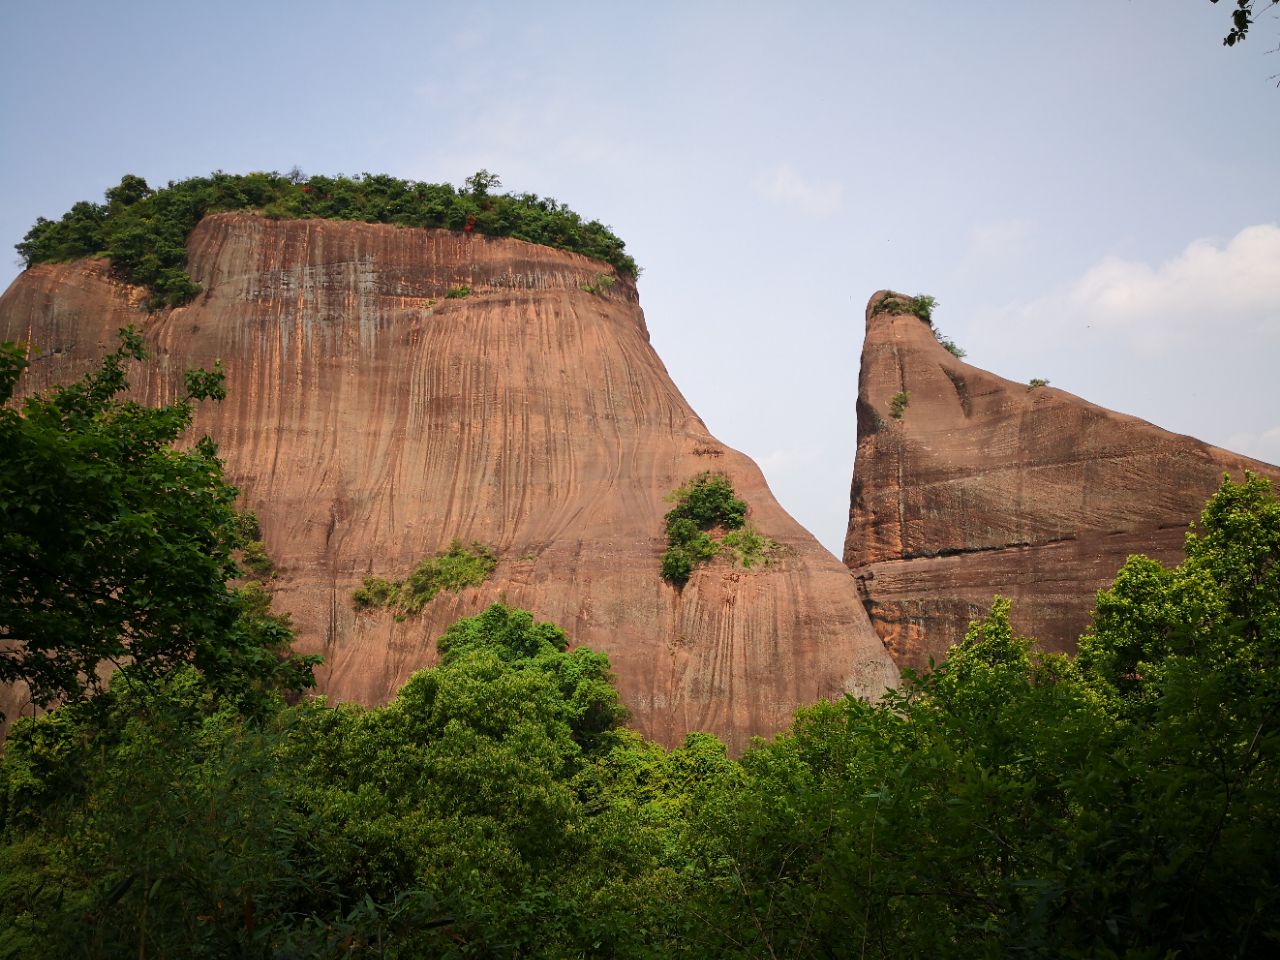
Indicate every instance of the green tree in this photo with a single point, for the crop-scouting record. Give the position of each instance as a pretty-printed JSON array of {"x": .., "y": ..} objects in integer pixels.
[
  {"x": 115, "y": 546},
  {"x": 1242, "y": 18},
  {"x": 481, "y": 182},
  {"x": 144, "y": 232}
]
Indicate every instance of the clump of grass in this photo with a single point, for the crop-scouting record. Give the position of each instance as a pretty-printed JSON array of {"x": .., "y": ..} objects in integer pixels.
[
  {"x": 1037, "y": 382},
  {"x": 457, "y": 293},
  {"x": 749, "y": 547},
  {"x": 454, "y": 569},
  {"x": 705, "y": 502},
  {"x": 898, "y": 403},
  {"x": 599, "y": 286}
]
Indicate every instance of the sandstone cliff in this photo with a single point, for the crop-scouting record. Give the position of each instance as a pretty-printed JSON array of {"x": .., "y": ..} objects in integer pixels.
[
  {"x": 984, "y": 486},
  {"x": 371, "y": 420}
]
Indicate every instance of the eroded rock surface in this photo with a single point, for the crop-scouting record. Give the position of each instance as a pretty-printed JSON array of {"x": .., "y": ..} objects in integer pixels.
[
  {"x": 371, "y": 419},
  {"x": 984, "y": 486}
]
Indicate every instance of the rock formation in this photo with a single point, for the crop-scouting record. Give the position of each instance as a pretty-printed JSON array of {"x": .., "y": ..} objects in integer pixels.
[
  {"x": 984, "y": 486},
  {"x": 371, "y": 419}
]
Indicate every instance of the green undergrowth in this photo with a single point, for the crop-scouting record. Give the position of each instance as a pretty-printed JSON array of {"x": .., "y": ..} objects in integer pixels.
[
  {"x": 898, "y": 404},
  {"x": 454, "y": 569},
  {"x": 144, "y": 231},
  {"x": 704, "y": 505},
  {"x": 749, "y": 547}
]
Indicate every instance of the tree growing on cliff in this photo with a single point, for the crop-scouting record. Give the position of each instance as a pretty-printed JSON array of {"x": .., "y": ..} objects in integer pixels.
[{"x": 116, "y": 547}]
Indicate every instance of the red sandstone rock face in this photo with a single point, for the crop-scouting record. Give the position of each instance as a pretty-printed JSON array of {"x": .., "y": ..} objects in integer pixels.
[
  {"x": 370, "y": 420},
  {"x": 987, "y": 487}
]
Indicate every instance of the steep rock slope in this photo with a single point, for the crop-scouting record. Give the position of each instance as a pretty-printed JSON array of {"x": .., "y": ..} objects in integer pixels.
[
  {"x": 985, "y": 486},
  {"x": 371, "y": 419}
]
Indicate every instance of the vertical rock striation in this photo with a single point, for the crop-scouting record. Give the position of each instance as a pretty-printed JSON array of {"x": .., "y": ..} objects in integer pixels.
[
  {"x": 371, "y": 419},
  {"x": 986, "y": 487}
]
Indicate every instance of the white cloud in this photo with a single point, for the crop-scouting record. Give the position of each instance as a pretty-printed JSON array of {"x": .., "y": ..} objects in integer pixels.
[
  {"x": 1208, "y": 290},
  {"x": 785, "y": 185},
  {"x": 1189, "y": 343}
]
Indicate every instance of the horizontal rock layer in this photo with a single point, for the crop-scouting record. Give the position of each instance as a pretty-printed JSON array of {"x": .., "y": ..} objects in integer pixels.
[
  {"x": 988, "y": 487},
  {"x": 371, "y": 419}
]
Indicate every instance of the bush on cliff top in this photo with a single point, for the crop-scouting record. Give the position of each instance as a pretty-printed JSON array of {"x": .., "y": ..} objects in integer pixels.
[
  {"x": 922, "y": 305},
  {"x": 145, "y": 231}
]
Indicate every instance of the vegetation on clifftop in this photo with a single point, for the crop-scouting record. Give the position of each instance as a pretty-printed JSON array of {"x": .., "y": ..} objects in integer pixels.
[
  {"x": 922, "y": 305},
  {"x": 145, "y": 231}
]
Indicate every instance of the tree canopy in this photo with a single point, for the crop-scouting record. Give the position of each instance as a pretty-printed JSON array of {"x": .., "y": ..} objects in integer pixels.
[
  {"x": 145, "y": 231},
  {"x": 115, "y": 545},
  {"x": 1242, "y": 18},
  {"x": 1122, "y": 804}
]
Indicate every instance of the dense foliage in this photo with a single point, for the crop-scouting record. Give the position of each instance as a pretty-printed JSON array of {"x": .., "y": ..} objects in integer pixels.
[
  {"x": 145, "y": 231},
  {"x": 453, "y": 569},
  {"x": 704, "y": 503},
  {"x": 114, "y": 546},
  {"x": 1005, "y": 803}
]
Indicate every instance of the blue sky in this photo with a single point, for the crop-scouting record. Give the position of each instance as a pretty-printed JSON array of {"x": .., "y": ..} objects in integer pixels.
[{"x": 1086, "y": 187}]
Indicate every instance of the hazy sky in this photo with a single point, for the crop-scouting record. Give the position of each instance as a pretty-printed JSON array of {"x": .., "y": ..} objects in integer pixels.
[{"x": 1087, "y": 187}]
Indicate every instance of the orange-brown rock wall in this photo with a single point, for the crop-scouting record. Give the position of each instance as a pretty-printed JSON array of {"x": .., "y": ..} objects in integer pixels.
[
  {"x": 988, "y": 487},
  {"x": 371, "y": 419}
]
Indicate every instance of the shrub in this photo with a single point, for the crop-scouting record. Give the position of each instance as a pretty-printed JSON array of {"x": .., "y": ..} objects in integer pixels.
[
  {"x": 921, "y": 306},
  {"x": 453, "y": 569},
  {"x": 376, "y": 592},
  {"x": 949, "y": 345},
  {"x": 457, "y": 293},
  {"x": 708, "y": 500},
  {"x": 1037, "y": 382},
  {"x": 704, "y": 502},
  {"x": 254, "y": 558},
  {"x": 898, "y": 403},
  {"x": 247, "y": 526}
]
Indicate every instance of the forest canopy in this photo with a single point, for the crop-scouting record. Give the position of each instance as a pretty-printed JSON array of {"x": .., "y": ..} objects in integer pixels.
[
  {"x": 1006, "y": 802},
  {"x": 144, "y": 231}
]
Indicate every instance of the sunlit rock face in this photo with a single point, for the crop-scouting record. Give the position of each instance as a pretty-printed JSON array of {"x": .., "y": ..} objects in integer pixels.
[
  {"x": 371, "y": 419},
  {"x": 984, "y": 486}
]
